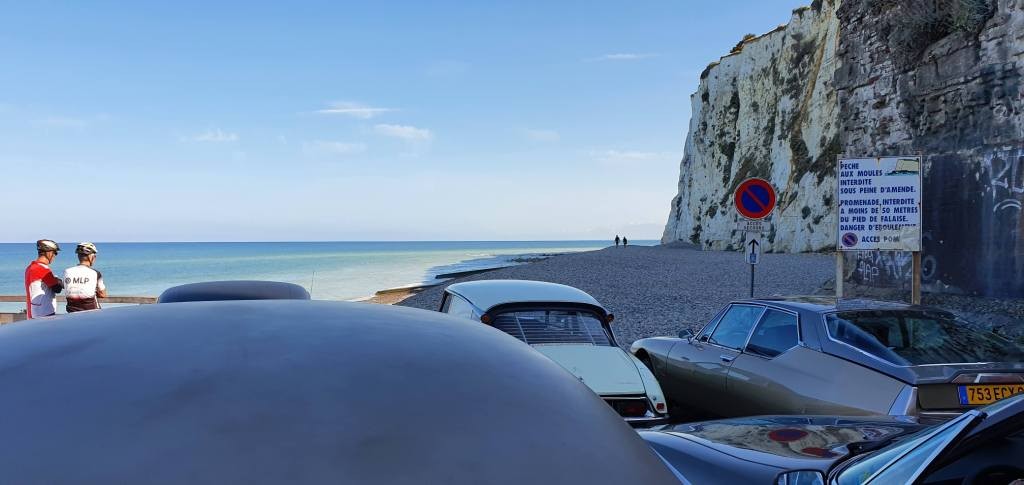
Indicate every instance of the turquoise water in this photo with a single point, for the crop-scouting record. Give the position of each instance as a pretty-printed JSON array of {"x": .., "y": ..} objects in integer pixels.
[{"x": 332, "y": 270}]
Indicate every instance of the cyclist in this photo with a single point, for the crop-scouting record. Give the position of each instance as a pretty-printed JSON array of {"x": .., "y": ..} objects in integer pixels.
[
  {"x": 84, "y": 285},
  {"x": 41, "y": 286}
]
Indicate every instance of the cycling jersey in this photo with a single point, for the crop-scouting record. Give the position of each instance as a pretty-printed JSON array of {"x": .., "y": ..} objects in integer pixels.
[
  {"x": 81, "y": 283},
  {"x": 40, "y": 290}
]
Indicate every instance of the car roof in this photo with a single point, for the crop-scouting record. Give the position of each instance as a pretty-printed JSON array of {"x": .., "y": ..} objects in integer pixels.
[
  {"x": 828, "y": 304},
  {"x": 487, "y": 294},
  {"x": 271, "y": 391},
  {"x": 233, "y": 290}
]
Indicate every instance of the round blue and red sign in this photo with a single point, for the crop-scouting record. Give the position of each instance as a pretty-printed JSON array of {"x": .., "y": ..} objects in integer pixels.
[
  {"x": 849, "y": 239},
  {"x": 755, "y": 198}
]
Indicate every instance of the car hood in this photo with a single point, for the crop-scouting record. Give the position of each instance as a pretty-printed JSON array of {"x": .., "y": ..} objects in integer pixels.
[
  {"x": 606, "y": 370},
  {"x": 791, "y": 441}
]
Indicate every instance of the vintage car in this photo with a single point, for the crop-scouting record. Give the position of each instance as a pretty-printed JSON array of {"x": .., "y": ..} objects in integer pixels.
[
  {"x": 813, "y": 356},
  {"x": 983, "y": 446},
  {"x": 571, "y": 328},
  {"x": 294, "y": 391}
]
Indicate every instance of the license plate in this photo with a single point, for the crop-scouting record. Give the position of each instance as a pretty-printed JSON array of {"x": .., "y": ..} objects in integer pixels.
[{"x": 970, "y": 395}]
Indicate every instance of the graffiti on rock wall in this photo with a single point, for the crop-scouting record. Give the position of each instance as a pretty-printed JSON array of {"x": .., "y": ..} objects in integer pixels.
[
  {"x": 885, "y": 269},
  {"x": 1003, "y": 240},
  {"x": 1006, "y": 177}
]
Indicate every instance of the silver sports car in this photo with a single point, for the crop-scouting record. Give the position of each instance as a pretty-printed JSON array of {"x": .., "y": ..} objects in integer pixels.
[{"x": 814, "y": 356}]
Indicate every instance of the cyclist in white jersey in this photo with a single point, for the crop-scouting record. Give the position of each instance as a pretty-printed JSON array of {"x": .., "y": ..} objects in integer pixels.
[{"x": 83, "y": 285}]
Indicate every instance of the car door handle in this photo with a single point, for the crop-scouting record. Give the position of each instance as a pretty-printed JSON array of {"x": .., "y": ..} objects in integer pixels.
[{"x": 727, "y": 358}]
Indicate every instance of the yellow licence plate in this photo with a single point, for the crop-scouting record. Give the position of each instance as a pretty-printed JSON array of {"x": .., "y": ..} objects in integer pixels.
[{"x": 987, "y": 393}]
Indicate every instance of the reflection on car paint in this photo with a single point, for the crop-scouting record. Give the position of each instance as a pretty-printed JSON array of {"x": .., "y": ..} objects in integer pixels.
[{"x": 818, "y": 437}]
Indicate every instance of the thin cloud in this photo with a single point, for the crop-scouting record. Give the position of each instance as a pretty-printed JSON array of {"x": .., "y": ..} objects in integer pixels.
[
  {"x": 215, "y": 136},
  {"x": 620, "y": 157},
  {"x": 69, "y": 121},
  {"x": 404, "y": 132},
  {"x": 321, "y": 147},
  {"x": 354, "y": 110},
  {"x": 624, "y": 56},
  {"x": 543, "y": 135}
]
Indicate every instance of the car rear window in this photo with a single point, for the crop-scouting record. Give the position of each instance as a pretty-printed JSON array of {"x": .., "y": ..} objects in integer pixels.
[
  {"x": 553, "y": 327},
  {"x": 920, "y": 338}
]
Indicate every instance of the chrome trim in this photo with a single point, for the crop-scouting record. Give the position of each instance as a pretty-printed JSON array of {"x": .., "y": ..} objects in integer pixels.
[
  {"x": 905, "y": 403},
  {"x": 647, "y": 420},
  {"x": 981, "y": 378}
]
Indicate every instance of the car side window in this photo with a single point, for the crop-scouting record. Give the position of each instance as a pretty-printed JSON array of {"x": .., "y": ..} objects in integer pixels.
[
  {"x": 705, "y": 332},
  {"x": 732, "y": 331},
  {"x": 776, "y": 333},
  {"x": 459, "y": 307}
]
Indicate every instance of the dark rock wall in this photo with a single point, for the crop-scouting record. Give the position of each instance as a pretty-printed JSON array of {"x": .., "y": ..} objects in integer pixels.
[{"x": 958, "y": 101}]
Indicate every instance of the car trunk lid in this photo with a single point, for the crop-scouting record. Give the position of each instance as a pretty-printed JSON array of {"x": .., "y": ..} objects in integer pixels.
[
  {"x": 606, "y": 370},
  {"x": 963, "y": 386}
]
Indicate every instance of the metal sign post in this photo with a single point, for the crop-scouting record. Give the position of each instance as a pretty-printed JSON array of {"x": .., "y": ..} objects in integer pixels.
[
  {"x": 752, "y": 249},
  {"x": 755, "y": 200}
]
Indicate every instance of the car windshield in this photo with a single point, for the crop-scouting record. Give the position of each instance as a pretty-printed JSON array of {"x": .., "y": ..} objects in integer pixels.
[
  {"x": 914, "y": 337},
  {"x": 901, "y": 461},
  {"x": 553, "y": 327}
]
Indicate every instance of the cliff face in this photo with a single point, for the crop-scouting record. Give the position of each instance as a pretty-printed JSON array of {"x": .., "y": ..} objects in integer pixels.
[
  {"x": 768, "y": 111},
  {"x": 868, "y": 78}
]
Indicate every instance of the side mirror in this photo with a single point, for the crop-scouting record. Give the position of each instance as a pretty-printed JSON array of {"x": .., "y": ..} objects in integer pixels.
[{"x": 686, "y": 334}]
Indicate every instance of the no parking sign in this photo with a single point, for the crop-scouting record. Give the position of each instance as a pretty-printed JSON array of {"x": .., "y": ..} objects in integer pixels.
[{"x": 755, "y": 198}]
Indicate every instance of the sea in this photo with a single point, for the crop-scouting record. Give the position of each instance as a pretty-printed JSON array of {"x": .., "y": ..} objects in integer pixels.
[{"x": 329, "y": 270}]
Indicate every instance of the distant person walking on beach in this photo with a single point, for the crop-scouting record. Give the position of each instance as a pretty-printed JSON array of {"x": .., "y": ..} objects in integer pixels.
[
  {"x": 41, "y": 286},
  {"x": 83, "y": 284},
  {"x": 625, "y": 242},
  {"x": 616, "y": 240}
]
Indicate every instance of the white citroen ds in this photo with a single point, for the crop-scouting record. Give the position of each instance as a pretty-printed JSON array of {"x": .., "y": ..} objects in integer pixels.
[{"x": 571, "y": 328}]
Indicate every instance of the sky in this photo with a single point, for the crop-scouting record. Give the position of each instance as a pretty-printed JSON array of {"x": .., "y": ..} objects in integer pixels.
[{"x": 385, "y": 120}]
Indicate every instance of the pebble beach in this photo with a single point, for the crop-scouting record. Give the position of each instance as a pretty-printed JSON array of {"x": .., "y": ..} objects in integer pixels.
[{"x": 660, "y": 290}]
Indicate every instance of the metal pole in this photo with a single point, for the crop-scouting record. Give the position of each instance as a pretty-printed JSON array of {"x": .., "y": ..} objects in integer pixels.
[
  {"x": 915, "y": 283},
  {"x": 751, "y": 281},
  {"x": 839, "y": 275}
]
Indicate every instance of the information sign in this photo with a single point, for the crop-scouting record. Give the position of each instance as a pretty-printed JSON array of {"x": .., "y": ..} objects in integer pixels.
[{"x": 879, "y": 204}]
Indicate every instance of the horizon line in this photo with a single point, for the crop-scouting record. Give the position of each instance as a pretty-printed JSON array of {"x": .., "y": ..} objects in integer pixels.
[{"x": 341, "y": 241}]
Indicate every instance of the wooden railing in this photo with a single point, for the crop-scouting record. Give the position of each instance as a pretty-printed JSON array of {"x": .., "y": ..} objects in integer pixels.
[{"x": 139, "y": 300}]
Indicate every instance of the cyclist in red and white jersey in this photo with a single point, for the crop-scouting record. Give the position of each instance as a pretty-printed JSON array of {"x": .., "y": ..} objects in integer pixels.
[
  {"x": 41, "y": 286},
  {"x": 83, "y": 285}
]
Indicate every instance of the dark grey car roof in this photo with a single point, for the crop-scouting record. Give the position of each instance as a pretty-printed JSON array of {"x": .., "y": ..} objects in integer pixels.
[
  {"x": 288, "y": 391},
  {"x": 827, "y": 304},
  {"x": 233, "y": 290}
]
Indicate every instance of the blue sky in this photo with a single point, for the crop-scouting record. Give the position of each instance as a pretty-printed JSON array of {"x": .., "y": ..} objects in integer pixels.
[{"x": 188, "y": 121}]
